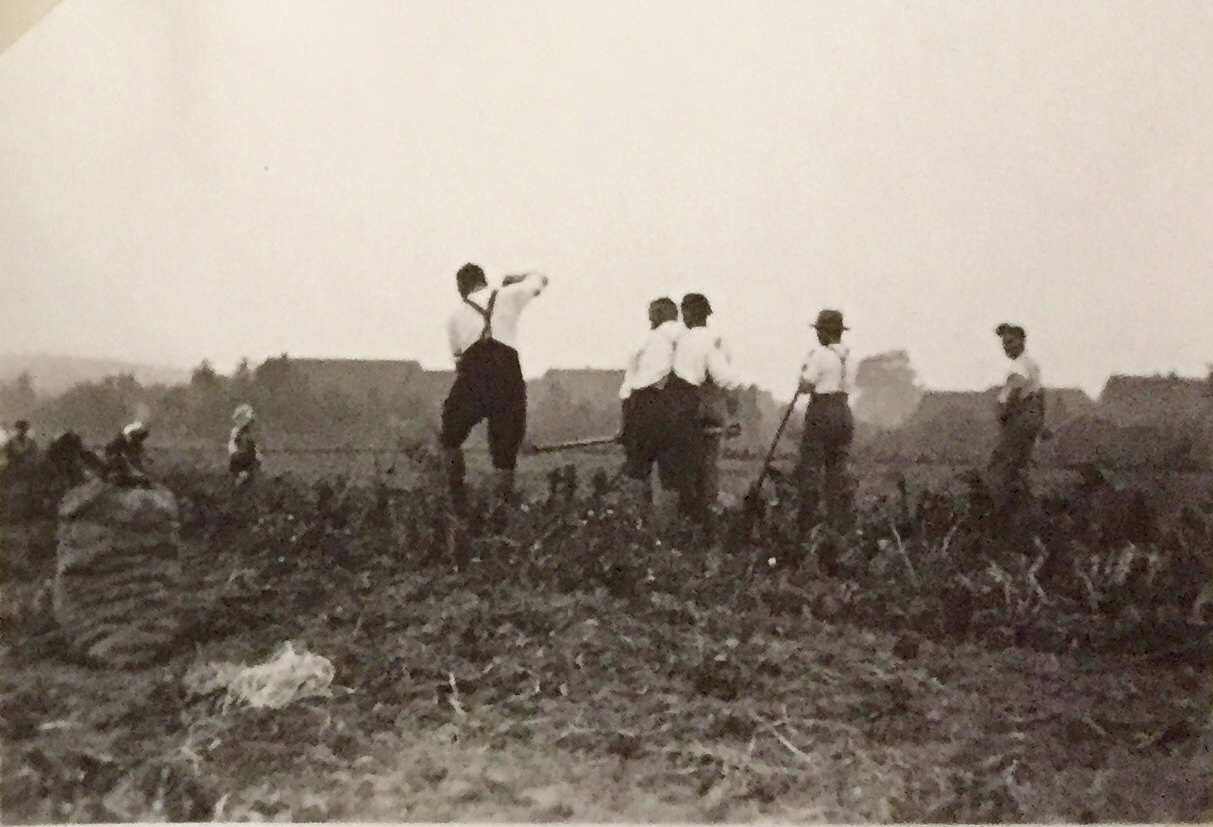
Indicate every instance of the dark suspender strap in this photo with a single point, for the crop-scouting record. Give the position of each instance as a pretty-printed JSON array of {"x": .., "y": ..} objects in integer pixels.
[
  {"x": 843, "y": 361},
  {"x": 486, "y": 313},
  {"x": 487, "y": 333}
]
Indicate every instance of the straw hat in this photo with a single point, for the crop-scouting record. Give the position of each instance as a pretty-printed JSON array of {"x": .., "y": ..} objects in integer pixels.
[{"x": 830, "y": 320}]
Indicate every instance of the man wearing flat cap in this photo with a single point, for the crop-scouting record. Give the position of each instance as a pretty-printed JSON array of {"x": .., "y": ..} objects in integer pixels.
[
  {"x": 1021, "y": 414},
  {"x": 828, "y": 428}
]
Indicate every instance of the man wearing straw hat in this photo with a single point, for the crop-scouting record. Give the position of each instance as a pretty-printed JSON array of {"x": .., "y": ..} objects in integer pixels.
[
  {"x": 242, "y": 460},
  {"x": 828, "y": 427}
]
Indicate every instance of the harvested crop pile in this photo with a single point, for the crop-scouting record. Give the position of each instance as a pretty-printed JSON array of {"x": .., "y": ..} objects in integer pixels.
[
  {"x": 584, "y": 670},
  {"x": 116, "y": 572}
]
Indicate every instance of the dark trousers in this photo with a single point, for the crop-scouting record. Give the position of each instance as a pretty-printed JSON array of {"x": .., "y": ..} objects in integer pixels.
[
  {"x": 694, "y": 452},
  {"x": 488, "y": 384},
  {"x": 1011, "y": 459},
  {"x": 822, "y": 472},
  {"x": 649, "y": 435}
]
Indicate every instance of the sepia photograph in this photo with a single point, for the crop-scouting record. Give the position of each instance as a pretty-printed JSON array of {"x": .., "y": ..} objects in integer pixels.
[{"x": 678, "y": 411}]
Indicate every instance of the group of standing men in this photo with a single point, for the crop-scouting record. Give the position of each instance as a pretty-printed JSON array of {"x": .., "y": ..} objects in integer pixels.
[{"x": 678, "y": 393}]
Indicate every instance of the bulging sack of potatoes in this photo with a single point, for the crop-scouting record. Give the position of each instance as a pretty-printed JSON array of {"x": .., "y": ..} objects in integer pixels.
[{"x": 117, "y": 572}]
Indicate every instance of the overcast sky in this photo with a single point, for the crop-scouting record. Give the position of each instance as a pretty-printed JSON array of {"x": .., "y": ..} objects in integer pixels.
[{"x": 186, "y": 180}]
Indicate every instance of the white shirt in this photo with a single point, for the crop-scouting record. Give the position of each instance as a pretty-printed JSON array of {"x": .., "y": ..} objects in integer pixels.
[
  {"x": 466, "y": 324},
  {"x": 700, "y": 355},
  {"x": 233, "y": 446},
  {"x": 827, "y": 368},
  {"x": 1023, "y": 373},
  {"x": 653, "y": 362}
]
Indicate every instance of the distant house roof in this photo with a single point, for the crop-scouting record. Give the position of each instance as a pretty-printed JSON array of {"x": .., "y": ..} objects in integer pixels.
[
  {"x": 433, "y": 385},
  {"x": 934, "y": 405},
  {"x": 593, "y": 385},
  {"x": 1130, "y": 399},
  {"x": 1121, "y": 387},
  {"x": 1068, "y": 401},
  {"x": 385, "y": 377}
]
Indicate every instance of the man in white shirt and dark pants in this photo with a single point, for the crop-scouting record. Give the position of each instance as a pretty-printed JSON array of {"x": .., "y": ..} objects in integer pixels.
[
  {"x": 828, "y": 428},
  {"x": 483, "y": 335},
  {"x": 1021, "y": 415},
  {"x": 700, "y": 394},
  {"x": 648, "y": 430}
]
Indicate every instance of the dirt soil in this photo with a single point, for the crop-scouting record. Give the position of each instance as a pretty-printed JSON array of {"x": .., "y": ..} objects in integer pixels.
[{"x": 503, "y": 693}]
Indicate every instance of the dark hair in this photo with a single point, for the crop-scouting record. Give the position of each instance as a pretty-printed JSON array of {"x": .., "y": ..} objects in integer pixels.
[
  {"x": 469, "y": 277},
  {"x": 696, "y": 306},
  {"x": 665, "y": 304},
  {"x": 1013, "y": 329},
  {"x": 21, "y": 425}
]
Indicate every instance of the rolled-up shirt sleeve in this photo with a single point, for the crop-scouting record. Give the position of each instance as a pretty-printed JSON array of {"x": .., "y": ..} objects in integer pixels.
[
  {"x": 520, "y": 293},
  {"x": 720, "y": 368},
  {"x": 625, "y": 389}
]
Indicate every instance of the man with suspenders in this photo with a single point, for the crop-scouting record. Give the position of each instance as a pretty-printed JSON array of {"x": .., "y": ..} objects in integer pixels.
[
  {"x": 483, "y": 335},
  {"x": 828, "y": 427}
]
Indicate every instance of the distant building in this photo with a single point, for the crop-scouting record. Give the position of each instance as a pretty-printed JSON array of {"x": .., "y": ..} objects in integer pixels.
[
  {"x": 1137, "y": 400},
  {"x": 1066, "y": 404},
  {"x": 400, "y": 384},
  {"x": 386, "y": 379},
  {"x": 962, "y": 426},
  {"x": 568, "y": 403},
  {"x": 592, "y": 386}
]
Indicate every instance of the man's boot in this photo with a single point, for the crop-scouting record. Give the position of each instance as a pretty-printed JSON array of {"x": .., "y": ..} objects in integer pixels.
[
  {"x": 638, "y": 498},
  {"x": 808, "y": 512},
  {"x": 504, "y": 499}
]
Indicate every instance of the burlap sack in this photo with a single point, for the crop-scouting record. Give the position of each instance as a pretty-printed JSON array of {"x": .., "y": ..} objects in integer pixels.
[{"x": 117, "y": 572}]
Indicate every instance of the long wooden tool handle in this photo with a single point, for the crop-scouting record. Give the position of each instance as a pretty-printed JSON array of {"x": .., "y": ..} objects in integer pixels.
[
  {"x": 576, "y": 443},
  {"x": 766, "y": 463},
  {"x": 728, "y": 432}
]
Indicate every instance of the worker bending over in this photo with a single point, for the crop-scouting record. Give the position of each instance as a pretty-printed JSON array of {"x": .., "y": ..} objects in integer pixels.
[
  {"x": 125, "y": 463},
  {"x": 243, "y": 462}
]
